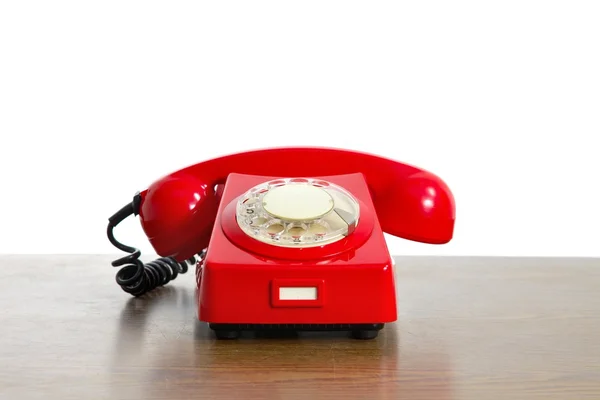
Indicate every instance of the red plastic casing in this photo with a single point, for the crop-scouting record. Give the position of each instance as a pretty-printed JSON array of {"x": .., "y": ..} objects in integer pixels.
[{"x": 240, "y": 278}]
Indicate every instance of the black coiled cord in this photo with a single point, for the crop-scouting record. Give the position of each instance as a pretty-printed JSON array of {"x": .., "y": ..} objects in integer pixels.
[{"x": 137, "y": 278}]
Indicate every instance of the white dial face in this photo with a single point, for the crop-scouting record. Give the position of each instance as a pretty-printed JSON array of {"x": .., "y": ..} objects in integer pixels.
[
  {"x": 297, "y": 202},
  {"x": 297, "y": 212}
]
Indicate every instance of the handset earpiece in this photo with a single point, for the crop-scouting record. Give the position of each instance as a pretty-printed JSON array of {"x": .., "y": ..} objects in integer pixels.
[
  {"x": 420, "y": 209},
  {"x": 177, "y": 213}
]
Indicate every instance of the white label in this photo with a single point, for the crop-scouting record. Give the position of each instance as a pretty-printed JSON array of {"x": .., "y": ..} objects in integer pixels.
[{"x": 297, "y": 293}]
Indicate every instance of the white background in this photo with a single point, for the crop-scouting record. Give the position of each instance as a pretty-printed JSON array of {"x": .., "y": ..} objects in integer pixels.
[{"x": 501, "y": 99}]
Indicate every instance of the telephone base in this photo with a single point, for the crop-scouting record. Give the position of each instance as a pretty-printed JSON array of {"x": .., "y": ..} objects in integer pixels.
[{"x": 357, "y": 331}]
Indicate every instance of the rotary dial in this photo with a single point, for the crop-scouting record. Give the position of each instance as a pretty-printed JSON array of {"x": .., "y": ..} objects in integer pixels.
[{"x": 297, "y": 212}]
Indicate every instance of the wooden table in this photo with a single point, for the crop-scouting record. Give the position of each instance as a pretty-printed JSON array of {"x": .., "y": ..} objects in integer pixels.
[{"x": 468, "y": 328}]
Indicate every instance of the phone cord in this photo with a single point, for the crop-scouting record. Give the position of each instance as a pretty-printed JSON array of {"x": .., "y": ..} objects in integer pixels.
[{"x": 135, "y": 277}]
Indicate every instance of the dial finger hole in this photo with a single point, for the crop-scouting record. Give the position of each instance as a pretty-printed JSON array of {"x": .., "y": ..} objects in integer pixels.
[
  {"x": 320, "y": 183},
  {"x": 277, "y": 183},
  {"x": 297, "y": 230},
  {"x": 275, "y": 229},
  {"x": 258, "y": 221},
  {"x": 318, "y": 229}
]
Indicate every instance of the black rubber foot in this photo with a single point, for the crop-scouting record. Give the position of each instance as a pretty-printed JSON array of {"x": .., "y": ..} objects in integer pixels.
[
  {"x": 227, "y": 335},
  {"x": 364, "y": 334}
]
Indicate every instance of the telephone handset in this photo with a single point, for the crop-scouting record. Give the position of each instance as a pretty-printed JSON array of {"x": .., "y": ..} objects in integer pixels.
[{"x": 292, "y": 203}]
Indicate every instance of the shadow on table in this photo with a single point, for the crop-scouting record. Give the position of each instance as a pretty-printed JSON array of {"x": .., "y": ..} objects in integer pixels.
[{"x": 163, "y": 351}]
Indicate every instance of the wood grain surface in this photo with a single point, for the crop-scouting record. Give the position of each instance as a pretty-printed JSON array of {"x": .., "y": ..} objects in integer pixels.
[{"x": 468, "y": 328}]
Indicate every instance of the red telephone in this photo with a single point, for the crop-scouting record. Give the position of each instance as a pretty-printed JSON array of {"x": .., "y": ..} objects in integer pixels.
[{"x": 286, "y": 237}]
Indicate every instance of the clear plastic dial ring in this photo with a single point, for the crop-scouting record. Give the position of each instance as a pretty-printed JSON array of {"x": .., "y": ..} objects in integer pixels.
[{"x": 297, "y": 212}]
